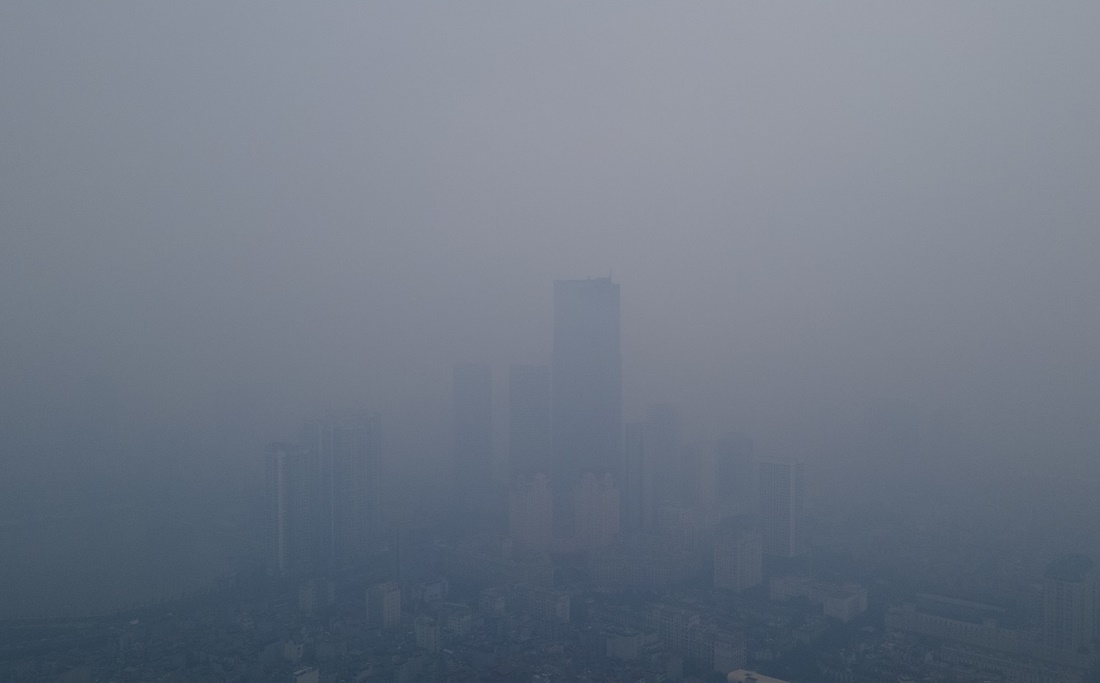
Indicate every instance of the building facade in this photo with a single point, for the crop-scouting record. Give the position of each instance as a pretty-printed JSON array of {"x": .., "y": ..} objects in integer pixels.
[
  {"x": 531, "y": 511},
  {"x": 597, "y": 511},
  {"x": 1069, "y": 603},
  {"x": 586, "y": 392},
  {"x": 738, "y": 557},
  {"x": 472, "y": 473},
  {"x": 529, "y": 419},
  {"x": 289, "y": 510},
  {"x": 781, "y": 493}
]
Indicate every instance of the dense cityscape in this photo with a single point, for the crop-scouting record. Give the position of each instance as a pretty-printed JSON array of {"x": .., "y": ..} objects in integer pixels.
[
  {"x": 617, "y": 342},
  {"x": 610, "y": 552}
]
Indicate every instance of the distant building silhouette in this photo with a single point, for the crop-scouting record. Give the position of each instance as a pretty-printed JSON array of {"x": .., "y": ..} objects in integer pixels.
[
  {"x": 426, "y": 632},
  {"x": 637, "y": 490},
  {"x": 473, "y": 441},
  {"x": 384, "y": 605},
  {"x": 701, "y": 470},
  {"x": 1069, "y": 603},
  {"x": 529, "y": 419},
  {"x": 289, "y": 511},
  {"x": 738, "y": 556},
  {"x": 735, "y": 476},
  {"x": 346, "y": 485},
  {"x": 359, "y": 451},
  {"x": 723, "y": 476},
  {"x": 586, "y": 387},
  {"x": 319, "y": 440},
  {"x": 781, "y": 493},
  {"x": 531, "y": 511},
  {"x": 415, "y": 554},
  {"x": 597, "y": 511},
  {"x": 663, "y": 453},
  {"x": 652, "y": 472}
]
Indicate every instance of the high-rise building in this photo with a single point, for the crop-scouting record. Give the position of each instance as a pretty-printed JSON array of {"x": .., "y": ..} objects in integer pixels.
[
  {"x": 426, "y": 633},
  {"x": 639, "y": 506},
  {"x": 529, "y": 419},
  {"x": 531, "y": 511},
  {"x": 597, "y": 511},
  {"x": 735, "y": 476},
  {"x": 384, "y": 605},
  {"x": 781, "y": 508},
  {"x": 701, "y": 460},
  {"x": 346, "y": 483},
  {"x": 318, "y": 439},
  {"x": 586, "y": 397},
  {"x": 415, "y": 554},
  {"x": 359, "y": 456},
  {"x": 738, "y": 556},
  {"x": 289, "y": 519},
  {"x": 473, "y": 420},
  {"x": 473, "y": 440},
  {"x": 662, "y": 446},
  {"x": 724, "y": 474},
  {"x": 679, "y": 527},
  {"x": 1069, "y": 603},
  {"x": 652, "y": 469}
]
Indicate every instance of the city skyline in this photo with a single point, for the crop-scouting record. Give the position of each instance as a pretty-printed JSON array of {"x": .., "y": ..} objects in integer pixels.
[{"x": 549, "y": 342}]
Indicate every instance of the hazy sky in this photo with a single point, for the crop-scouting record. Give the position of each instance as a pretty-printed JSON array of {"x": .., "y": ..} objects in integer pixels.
[{"x": 249, "y": 212}]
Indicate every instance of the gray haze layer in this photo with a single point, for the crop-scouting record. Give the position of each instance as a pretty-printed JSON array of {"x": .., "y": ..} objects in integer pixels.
[{"x": 217, "y": 220}]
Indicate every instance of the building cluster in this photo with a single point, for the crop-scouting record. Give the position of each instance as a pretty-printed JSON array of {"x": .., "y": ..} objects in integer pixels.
[
  {"x": 612, "y": 552},
  {"x": 593, "y": 506},
  {"x": 323, "y": 497},
  {"x": 1066, "y": 636},
  {"x": 645, "y": 509}
]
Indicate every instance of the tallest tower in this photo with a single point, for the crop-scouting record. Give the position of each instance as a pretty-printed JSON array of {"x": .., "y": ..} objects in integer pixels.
[{"x": 586, "y": 382}]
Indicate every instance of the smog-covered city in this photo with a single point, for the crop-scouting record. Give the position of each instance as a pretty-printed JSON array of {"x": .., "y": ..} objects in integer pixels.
[{"x": 549, "y": 342}]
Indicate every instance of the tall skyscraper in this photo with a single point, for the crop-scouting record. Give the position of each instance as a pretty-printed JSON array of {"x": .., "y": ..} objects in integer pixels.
[
  {"x": 636, "y": 491},
  {"x": 529, "y": 419},
  {"x": 1069, "y": 603},
  {"x": 473, "y": 439},
  {"x": 781, "y": 501},
  {"x": 701, "y": 460},
  {"x": 384, "y": 605},
  {"x": 345, "y": 478},
  {"x": 662, "y": 439},
  {"x": 359, "y": 485},
  {"x": 738, "y": 555},
  {"x": 735, "y": 476},
  {"x": 587, "y": 388},
  {"x": 289, "y": 511},
  {"x": 597, "y": 511},
  {"x": 652, "y": 471},
  {"x": 318, "y": 438},
  {"x": 724, "y": 477},
  {"x": 531, "y": 511}
]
